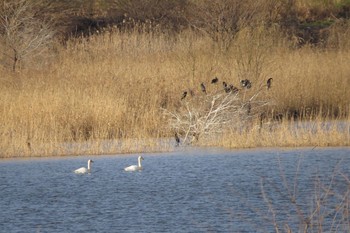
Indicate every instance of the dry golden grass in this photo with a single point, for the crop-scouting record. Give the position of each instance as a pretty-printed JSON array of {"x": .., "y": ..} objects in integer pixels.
[
  {"x": 319, "y": 132},
  {"x": 312, "y": 80},
  {"x": 112, "y": 86}
]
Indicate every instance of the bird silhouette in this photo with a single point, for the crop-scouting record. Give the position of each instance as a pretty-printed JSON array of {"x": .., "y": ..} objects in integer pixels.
[
  {"x": 249, "y": 85},
  {"x": 269, "y": 83},
  {"x": 184, "y": 95},
  {"x": 215, "y": 80},
  {"x": 177, "y": 139},
  {"x": 231, "y": 88},
  {"x": 29, "y": 145},
  {"x": 203, "y": 88},
  {"x": 249, "y": 108},
  {"x": 227, "y": 88},
  {"x": 234, "y": 89},
  {"x": 246, "y": 83}
]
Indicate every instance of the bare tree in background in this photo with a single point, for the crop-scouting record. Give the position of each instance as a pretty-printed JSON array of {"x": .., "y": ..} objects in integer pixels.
[
  {"x": 221, "y": 20},
  {"x": 166, "y": 14},
  {"x": 22, "y": 33}
]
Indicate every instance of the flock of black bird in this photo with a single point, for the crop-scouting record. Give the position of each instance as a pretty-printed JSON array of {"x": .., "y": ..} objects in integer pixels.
[{"x": 245, "y": 84}]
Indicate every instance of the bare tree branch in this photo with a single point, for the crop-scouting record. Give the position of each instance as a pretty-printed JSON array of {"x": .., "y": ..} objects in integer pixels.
[
  {"x": 22, "y": 32},
  {"x": 214, "y": 113}
]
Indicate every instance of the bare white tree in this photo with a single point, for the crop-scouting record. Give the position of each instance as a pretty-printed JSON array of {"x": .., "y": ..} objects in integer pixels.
[
  {"x": 22, "y": 33},
  {"x": 210, "y": 114}
]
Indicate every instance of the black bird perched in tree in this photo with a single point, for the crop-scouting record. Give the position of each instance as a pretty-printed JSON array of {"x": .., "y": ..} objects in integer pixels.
[
  {"x": 234, "y": 89},
  {"x": 177, "y": 139},
  {"x": 215, "y": 80},
  {"x": 269, "y": 83},
  {"x": 29, "y": 145},
  {"x": 249, "y": 108},
  {"x": 249, "y": 84},
  {"x": 203, "y": 88},
  {"x": 246, "y": 83},
  {"x": 184, "y": 95},
  {"x": 191, "y": 93},
  {"x": 227, "y": 88},
  {"x": 230, "y": 88}
]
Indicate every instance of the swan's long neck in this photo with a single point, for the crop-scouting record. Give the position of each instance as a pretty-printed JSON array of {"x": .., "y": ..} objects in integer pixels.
[
  {"x": 139, "y": 162},
  {"x": 89, "y": 162}
]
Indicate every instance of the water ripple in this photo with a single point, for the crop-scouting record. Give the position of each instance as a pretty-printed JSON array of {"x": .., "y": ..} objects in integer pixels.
[{"x": 185, "y": 191}]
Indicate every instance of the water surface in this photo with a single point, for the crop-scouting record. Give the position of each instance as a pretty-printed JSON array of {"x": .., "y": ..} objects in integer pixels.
[{"x": 189, "y": 190}]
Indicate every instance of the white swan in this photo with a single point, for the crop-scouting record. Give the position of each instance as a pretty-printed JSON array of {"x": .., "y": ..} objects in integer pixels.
[
  {"x": 135, "y": 167},
  {"x": 83, "y": 170}
]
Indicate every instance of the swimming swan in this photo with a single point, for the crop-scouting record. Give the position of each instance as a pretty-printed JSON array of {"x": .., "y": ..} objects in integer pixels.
[
  {"x": 83, "y": 170},
  {"x": 135, "y": 167}
]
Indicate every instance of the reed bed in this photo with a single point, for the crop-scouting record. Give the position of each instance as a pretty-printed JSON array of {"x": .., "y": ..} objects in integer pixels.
[
  {"x": 112, "y": 86},
  {"x": 306, "y": 133}
]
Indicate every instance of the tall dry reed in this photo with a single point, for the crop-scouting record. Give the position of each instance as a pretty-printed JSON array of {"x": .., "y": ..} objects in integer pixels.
[{"x": 112, "y": 85}]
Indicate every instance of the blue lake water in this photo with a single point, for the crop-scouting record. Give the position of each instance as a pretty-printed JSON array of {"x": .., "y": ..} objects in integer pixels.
[{"x": 189, "y": 190}]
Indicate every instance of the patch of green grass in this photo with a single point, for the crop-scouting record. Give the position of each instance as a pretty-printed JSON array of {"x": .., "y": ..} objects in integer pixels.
[
  {"x": 343, "y": 3},
  {"x": 319, "y": 23}
]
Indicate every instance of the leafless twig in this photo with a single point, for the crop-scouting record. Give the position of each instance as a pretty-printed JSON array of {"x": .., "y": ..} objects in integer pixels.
[{"x": 22, "y": 32}]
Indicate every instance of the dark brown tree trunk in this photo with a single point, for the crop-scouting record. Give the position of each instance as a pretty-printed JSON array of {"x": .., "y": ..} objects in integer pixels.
[{"x": 15, "y": 60}]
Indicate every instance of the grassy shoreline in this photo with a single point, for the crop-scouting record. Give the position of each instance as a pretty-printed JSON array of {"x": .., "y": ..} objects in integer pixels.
[
  {"x": 160, "y": 151},
  {"x": 277, "y": 136}
]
